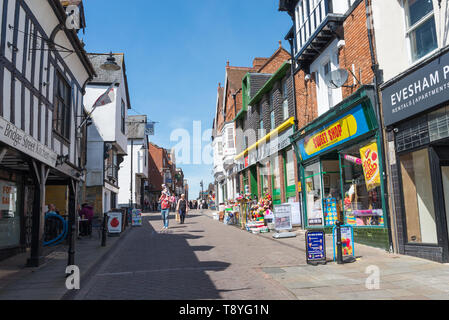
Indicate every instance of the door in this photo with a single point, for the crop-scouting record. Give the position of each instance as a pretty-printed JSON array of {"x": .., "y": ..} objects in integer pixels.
[
  {"x": 445, "y": 179},
  {"x": 253, "y": 177}
]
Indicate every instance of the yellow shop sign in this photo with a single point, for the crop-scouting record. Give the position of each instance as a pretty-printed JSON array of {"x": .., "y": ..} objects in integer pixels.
[{"x": 338, "y": 131}]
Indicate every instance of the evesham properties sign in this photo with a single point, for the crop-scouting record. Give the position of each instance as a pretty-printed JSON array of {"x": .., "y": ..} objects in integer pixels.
[{"x": 422, "y": 89}]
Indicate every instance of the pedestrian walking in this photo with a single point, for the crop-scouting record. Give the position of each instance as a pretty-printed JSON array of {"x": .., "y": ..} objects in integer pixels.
[
  {"x": 165, "y": 206},
  {"x": 182, "y": 208}
]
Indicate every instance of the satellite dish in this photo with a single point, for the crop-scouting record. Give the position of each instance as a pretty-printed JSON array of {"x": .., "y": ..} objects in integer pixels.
[{"x": 336, "y": 79}]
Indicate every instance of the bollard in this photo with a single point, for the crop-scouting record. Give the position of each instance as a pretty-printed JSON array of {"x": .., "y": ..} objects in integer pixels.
[
  {"x": 339, "y": 245},
  {"x": 104, "y": 233}
]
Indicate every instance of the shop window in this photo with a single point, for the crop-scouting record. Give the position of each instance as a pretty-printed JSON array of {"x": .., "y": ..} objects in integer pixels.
[
  {"x": 418, "y": 198},
  {"x": 361, "y": 185},
  {"x": 412, "y": 134},
  {"x": 9, "y": 216},
  {"x": 421, "y": 30},
  {"x": 290, "y": 180},
  {"x": 276, "y": 179},
  {"x": 312, "y": 175},
  {"x": 264, "y": 176}
]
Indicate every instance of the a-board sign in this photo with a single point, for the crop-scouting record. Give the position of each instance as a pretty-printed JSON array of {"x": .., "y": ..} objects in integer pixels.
[
  {"x": 347, "y": 241},
  {"x": 283, "y": 217},
  {"x": 136, "y": 217},
  {"x": 315, "y": 247},
  {"x": 115, "y": 222}
]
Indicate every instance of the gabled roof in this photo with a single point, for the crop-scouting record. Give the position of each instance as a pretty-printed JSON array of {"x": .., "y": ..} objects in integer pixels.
[
  {"x": 235, "y": 76},
  {"x": 274, "y": 55},
  {"x": 107, "y": 77}
]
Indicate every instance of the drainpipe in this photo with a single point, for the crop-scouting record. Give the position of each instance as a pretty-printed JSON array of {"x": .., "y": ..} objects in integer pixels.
[{"x": 375, "y": 68}]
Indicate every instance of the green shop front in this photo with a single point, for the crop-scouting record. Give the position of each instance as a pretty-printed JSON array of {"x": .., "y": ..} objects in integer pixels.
[{"x": 340, "y": 165}]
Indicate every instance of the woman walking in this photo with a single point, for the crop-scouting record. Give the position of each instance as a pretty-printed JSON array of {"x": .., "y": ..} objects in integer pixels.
[
  {"x": 165, "y": 206},
  {"x": 182, "y": 208}
]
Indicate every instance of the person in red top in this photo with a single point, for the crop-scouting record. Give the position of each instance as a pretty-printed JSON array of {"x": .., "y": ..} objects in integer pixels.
[{"x": 165, "y": 206}]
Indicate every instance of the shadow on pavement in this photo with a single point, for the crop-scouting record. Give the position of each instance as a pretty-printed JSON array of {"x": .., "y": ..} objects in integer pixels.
[{"x": 155, "y": 266}]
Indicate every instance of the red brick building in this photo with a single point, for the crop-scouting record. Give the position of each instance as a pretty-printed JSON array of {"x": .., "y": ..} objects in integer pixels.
[{"x": 335, "y": 92}]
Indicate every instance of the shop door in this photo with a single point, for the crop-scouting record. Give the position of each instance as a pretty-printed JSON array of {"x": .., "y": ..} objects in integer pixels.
[
  {"x": 445, "y": 178},
  {"x": 253, "y": 177},
  {"x": 276, "y": 180}
]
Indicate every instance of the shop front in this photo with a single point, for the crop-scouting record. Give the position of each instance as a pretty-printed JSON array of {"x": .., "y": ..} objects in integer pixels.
[
  {"x": 416, "y": 115},
  {"x": 340, "y": 170}
]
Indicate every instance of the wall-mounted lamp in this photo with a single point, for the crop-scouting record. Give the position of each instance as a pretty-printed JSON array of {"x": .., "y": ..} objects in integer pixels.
[{"x": 307, "y": 77}]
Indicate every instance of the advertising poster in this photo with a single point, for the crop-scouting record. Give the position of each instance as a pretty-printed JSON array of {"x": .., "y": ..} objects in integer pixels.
[
  {"x": 115, "y": 222},
  {"x": 283, "y": 217},
  {"x": 370, "y": 163},
  {"x": 136, "y": 217},
  {"x": 347, "y": 241},
  {"x": 315, "y": 247},
  {"x": 296, "y": 212}
]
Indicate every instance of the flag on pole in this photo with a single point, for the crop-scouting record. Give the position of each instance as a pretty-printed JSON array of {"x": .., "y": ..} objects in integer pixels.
[{"x": 106, "y": 97}]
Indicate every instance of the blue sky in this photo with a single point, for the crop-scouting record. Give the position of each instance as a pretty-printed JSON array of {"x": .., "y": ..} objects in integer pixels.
[{"x": 176, "y": 53}]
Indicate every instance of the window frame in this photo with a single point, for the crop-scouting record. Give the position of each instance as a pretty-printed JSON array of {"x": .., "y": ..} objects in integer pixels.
[
  {"x": 123, "y": 117},
  {"x": 62, "y": 126},
  {"x": 410, "y": 29}
]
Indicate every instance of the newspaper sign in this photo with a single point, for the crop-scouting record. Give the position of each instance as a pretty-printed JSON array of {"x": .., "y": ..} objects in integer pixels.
[
  {"x": 136, "y": 218},
  {"x": 115, "y": 222},
  {"x": 283, "y": 217}
]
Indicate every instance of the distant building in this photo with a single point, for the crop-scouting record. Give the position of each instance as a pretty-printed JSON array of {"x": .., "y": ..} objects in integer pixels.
[{"x": 133, "y": 173}]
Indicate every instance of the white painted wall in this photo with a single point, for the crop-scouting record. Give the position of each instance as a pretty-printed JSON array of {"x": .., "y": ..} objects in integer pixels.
[
  {"x": 139, "y": 167},
  {"x": 107, "y": 118},
  {"x": 329, "y": 54},
  {"x": 392, "y": 45}
]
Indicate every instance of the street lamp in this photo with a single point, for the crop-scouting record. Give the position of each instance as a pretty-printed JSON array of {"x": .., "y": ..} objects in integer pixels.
[{"x": 110, "y": 64}]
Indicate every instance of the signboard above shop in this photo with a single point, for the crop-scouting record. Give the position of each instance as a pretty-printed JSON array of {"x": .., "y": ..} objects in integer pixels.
[
  {"x": 20, "y": 140},
  {"x": 350, "y": 125},
  {"x": 420, "y": 90}
]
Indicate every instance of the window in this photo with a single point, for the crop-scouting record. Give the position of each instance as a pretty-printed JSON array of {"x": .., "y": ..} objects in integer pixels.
[
  {"x": 123, "y": 116},
  {"x": 327, "y": 68},
  {"x": 61, "y": 113},
  {"x": 9, "y": 215},
  {"x": 362, "y": 198},
  {"x": 230, "y": 132},
  {"x": 418, "y": 198},
  {"x": 285, "y": 100},
  {"x": 220, "y": 148},
  {"x": 272, "y": 120},
  {"x": 421, "y": 30}
]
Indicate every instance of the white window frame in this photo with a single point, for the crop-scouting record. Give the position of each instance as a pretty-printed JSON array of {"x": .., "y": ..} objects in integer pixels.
[{"x": 410, "y": 29}]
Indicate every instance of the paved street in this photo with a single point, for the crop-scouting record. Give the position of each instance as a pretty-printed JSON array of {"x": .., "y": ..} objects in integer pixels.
[
  {"x": 202, "y": 259},
  {"x": 205, "y": 259}
]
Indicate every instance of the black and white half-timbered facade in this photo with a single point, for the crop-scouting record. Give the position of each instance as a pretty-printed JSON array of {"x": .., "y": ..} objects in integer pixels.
[{"x": 43, "y": 73}]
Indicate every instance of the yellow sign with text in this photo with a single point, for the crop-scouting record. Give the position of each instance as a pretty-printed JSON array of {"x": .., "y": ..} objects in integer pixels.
[
  {"x": 370, "y": 163},
  {"x": 338, "y": 131}
]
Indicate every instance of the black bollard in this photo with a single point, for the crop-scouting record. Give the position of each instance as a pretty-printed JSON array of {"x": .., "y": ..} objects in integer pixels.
[
  {"x": 104, "y": 233},
  {"x": 339, "y": 244}
]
